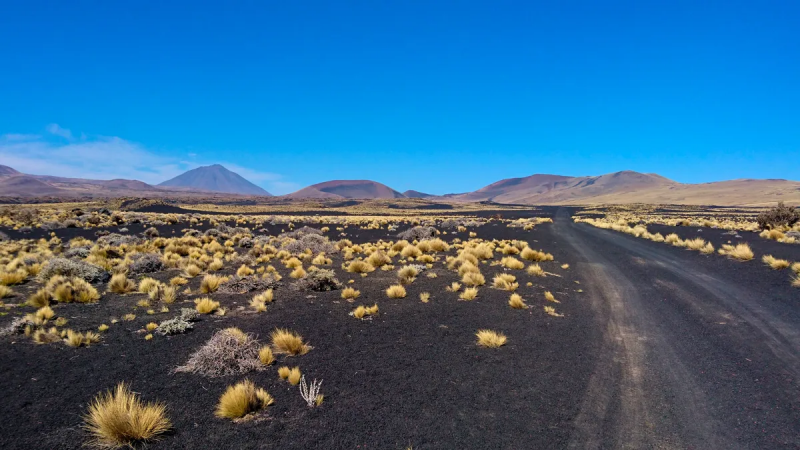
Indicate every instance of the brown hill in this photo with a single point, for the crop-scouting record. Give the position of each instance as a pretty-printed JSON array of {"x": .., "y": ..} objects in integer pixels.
[
  {"x": 7, "y": 171},
  {"x": 361, "y": 189},
  {"x": 633, "y": 187},
  {"x": 416, "y": 194}
]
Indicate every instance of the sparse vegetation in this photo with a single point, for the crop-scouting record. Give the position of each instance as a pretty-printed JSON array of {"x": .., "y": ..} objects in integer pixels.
[
  {"x": 119, "y": 418},
  {"x": 490, "y": 339}
]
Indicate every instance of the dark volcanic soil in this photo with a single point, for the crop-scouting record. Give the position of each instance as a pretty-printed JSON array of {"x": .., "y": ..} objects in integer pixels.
[
  {"x": 665, "y": 348},
  {"x": 410, "y": 376}
]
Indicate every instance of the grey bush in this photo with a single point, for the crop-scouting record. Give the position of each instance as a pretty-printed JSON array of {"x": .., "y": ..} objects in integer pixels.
[
  {"x": 73, "y": 268},
  {"x": 77, "y": 252},
  {"x": 224, "y": 354},
  {"x": 3, "y": 236},
  {"x": 319, "y": 280},
  {"x": 151, "y": 232},
  {"x": 315, "y": 242},
  {"x": 116, "y": 239},
  {"x": 243, "y": 285},
  {"x": 174, "y": 326},
  {"x": 417, "y": 233},
  {"x": 146, "y": 263}
]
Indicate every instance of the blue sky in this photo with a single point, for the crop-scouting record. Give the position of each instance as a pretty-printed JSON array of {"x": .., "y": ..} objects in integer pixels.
[{"x": 443, "y": 96}]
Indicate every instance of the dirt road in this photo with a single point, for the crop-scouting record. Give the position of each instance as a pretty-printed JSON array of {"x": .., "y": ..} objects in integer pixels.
[{"x": 694, "y": 355}]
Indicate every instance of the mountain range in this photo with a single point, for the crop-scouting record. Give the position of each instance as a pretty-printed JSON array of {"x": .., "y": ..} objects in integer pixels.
[{"x": 540, "y": 189}]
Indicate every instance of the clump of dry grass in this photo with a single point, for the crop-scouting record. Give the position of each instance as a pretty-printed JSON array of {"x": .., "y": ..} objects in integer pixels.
[
  {"x": 288, "y": 342},
  {"x": 490, "y": 339},
  {"x": 265, "y": 355},
  {"x": 359, "y": 266},
  {"x": 70, "y": 290},
  {"x": 119, "y": 418},
  {"x": 298, "y": 273},
  {"x": 192, "y": 270},
  {"x": 505, "y": 281},
  {"x": 473, "y": 279},
  {"x": 12, "y": 278},
  {"x": 552, "y": 311},
  {"x": 244, "y": 271},
  {"x": 210, "y": 283},
  {"x": 227, "y": 352},
  {"x": 407, "y": 274},
  {"x": 396, "y": 291},
  {"x": 294, "y": 376},
  {"x": 120, "y": 284},
  {"x": 5, "y": 291},
  {"x": 512, "y": 263},
  {"x": 425, "y": 297},
  {"x": 534, "y": 255},
  {"x": 242, "y": 399},
  {"x": 535, "y": 270},
  {"x": 469, "y": 294},
  {"x": 796, "y": 268},
  {"x": 516, "y": 302},
  {"x": 549, "y": 297},
  {"x": 205, "y": 305},
  {"x": 741, "y": 251},
  {"x": 774, "y": 262},
  {"x": 454, "y": 287},
  {"x": 147, "y": 284},
  {"x": 350, "y": 294}
]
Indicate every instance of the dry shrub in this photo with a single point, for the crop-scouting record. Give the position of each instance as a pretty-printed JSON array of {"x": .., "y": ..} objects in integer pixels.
[
  {"x": 774, "y": 262},
  {"x": 205, "y": 305},
  {"x": 469, "y": 294},
  {"x": 242, "y": 399},
  {"x": 288, "y": 342},
  {"x": 319, "y": 280},
  {"x": 516, "y": 302},
  {"x": 549, "y": 297},
  {"x": 407, "y": 273},
  {"x": 119, "y": 418},
  {"x": 779, "y": 217},
  {"x": 741, "y": 251},
  {"x": 473, "y": 279},
  {"x": 396, "y": 291},
  {"x": 294, "y": 376},
  {"x": 379, "y": 259},
  {"x": 228, "y": 352},
  {"x": 265, "y": 355},
  {"x": 534, "y": 255},
  {"x": 12, "y": 278},
  {"x": 5, "y": 291},
  {"x": 210, "y": 283},
  {"x": 490, "y": 339},
  {"x": 120, "y": 284},
  {"x": 350, "y": 294},
  {"x": 512, "y": 263},
  {"x": 359, "y": 266}
]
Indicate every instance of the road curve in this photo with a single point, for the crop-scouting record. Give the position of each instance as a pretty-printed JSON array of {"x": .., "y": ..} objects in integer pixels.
[{"x": 691, "y": 356}]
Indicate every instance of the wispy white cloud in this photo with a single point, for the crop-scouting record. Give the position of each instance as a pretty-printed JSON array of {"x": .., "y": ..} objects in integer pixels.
[
  {"x": 105, "y": 158},
  {"x": 56, "y": 130}
]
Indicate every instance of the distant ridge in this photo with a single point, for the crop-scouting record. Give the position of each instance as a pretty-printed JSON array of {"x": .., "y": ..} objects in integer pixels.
[
  {"x": 353, "y": 189},
  {"x": 215, "y": 178},
  {"x": 416, "y": 194}
]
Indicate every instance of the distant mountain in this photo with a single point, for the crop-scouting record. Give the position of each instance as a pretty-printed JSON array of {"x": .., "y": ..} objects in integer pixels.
[
  {"x": 631, "y": 187},
  {"x": 6, "y": 171},
  {"x": 361, "y": 189},
  {"x": 217, "y": 179},
  {"x": 17, "y": 184},
  {"x": 416, "y": 194}
]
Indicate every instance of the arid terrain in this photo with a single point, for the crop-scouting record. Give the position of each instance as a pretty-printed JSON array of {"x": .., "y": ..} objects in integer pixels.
[{"x": 609, "y": 336}]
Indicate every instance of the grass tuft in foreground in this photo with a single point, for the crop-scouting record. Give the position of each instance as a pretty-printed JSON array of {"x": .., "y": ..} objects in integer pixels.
[{"x": 118, "y": 418}]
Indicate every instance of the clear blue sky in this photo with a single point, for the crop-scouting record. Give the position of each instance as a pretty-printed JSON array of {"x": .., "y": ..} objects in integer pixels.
[{"x": 443, "y": 96}]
